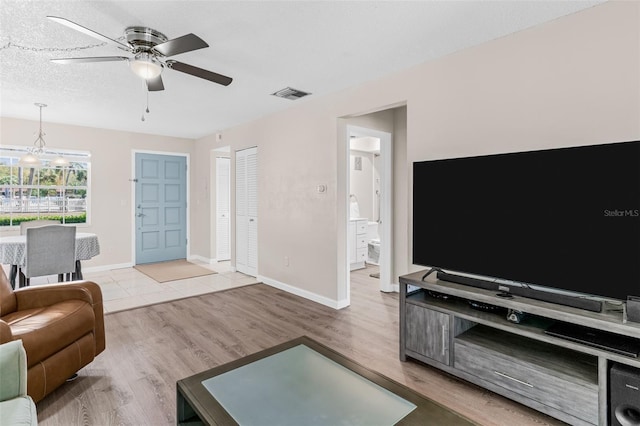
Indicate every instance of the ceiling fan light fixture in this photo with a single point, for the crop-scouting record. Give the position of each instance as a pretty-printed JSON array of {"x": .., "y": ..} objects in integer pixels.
[
  {"x": 146, "y": 66},
  {"x": 150, "y": 49}
]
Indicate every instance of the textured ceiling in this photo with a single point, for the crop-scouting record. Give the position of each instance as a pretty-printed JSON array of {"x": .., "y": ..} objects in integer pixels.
[{"x": 319, "y": 47}]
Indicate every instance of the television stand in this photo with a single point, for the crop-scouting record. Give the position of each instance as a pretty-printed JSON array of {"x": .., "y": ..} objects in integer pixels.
[{"x": 565, "y": 379}]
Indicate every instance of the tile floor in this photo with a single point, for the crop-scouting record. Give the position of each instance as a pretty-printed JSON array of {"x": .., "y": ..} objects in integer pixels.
[{"x": 127, "y": 288}]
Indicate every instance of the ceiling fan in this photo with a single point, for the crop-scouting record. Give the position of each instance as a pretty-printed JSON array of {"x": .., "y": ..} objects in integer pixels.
[{"x": 150, "y": 50}]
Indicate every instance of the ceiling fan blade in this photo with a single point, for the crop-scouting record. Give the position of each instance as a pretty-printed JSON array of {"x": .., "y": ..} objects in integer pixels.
[
  {"x": 155, "y": 84},
  {"x": 199, "y": 72},
  {"x": 183, "y": 44},
  {"x": 88, "y": 32},
  {"x": 89, "y": 59}
]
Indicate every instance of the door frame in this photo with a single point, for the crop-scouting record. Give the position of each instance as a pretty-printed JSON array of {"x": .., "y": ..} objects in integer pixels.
[
  {"x": 386, "y": 213},
  {"x": 133, "y": 197}
]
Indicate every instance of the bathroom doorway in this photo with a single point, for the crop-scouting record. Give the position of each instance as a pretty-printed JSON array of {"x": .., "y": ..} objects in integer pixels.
[{"x": 369, "y": 191}]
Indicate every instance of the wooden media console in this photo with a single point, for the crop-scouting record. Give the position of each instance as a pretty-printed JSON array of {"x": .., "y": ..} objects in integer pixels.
[{"x": 465, "y": 331}]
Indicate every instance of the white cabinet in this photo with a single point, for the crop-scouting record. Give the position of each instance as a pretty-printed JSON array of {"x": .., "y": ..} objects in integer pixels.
[{"x": 357, "y": 243}]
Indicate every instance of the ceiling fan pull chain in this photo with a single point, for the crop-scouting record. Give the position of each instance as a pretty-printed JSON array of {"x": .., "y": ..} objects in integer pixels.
[{"x": 147, "y": 92}]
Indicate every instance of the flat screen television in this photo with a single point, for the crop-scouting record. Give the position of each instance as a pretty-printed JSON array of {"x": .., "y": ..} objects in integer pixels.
[{"x": 565, "y": 219}]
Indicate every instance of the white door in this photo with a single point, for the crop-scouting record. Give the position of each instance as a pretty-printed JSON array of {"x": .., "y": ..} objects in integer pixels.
[
  {"x": 223, "y": 209},
  {"x": 247, "y": 211}
]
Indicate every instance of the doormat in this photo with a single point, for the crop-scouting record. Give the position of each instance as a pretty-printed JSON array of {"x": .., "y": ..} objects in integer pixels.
[{"x": 173, "y": 270}]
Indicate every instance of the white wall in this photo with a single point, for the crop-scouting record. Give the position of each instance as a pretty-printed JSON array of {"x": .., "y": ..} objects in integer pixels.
[
  {"x": 572, "y": 81},
  {"x": 111, "y": 190},
  {"x": 203, "y": 198}
]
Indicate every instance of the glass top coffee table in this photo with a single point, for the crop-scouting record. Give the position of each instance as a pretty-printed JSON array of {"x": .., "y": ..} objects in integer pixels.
[{"x": 302, "y": 382}]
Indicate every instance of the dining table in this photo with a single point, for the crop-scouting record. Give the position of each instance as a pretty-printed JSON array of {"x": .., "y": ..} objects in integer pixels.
[{"x": 13, "y": 251}]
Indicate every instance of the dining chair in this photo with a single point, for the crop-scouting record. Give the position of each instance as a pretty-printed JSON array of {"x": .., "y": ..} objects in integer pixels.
[
  {"x": 36, "y": 223},
  {"x": 51, "y": 250},
  {"x": 15, "y": 271}
]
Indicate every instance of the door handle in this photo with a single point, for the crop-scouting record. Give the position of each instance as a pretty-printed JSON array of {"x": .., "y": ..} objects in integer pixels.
[{"x": 140, "y": 214}]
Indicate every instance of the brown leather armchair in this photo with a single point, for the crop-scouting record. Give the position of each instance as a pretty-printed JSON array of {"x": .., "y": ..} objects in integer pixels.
[{"x": 61, "y": 327}]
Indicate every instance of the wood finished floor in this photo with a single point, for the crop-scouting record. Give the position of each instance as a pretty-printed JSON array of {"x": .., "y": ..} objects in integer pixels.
[{"x": 148, "y": 349}]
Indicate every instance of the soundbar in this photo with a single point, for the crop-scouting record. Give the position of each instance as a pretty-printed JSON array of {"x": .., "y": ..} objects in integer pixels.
[{"x": 545, "y": 296}]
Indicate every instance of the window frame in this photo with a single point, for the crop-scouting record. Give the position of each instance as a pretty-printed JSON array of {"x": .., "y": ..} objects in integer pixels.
[{"x": 9, "y": 157}]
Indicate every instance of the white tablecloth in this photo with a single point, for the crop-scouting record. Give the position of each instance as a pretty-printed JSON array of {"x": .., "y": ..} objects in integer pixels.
[{"x": 13, "y": 249}]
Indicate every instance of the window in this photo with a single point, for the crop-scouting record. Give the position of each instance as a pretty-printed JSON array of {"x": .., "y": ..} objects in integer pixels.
[{"x": 46, "y": 192}]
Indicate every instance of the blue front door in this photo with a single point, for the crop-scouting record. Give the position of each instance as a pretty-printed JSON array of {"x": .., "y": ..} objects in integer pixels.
[{"x": 161, "y": 208}]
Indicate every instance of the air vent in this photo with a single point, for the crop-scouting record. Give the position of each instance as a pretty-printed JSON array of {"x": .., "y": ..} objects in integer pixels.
[{"x": 290, "y": 93}]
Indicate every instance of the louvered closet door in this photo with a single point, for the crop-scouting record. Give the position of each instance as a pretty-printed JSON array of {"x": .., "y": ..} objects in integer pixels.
[
  {"x": 223, "y": 209},
  {"x": 247, "y": 211}
]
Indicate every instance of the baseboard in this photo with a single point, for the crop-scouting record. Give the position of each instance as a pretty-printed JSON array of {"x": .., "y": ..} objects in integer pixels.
[
  {"x": 343, "y": 303},
  {"x": 335, "y": 304},
  {"x": 202, "y": 259}
]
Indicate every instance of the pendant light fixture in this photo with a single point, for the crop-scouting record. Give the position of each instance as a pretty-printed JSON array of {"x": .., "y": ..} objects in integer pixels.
[
  {"x": 59, "y": 161},
  {"x": 33, "y": 157}
]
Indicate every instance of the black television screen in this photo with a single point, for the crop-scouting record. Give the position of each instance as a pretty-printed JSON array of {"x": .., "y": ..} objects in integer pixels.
[{"x": 566, "y": 218}]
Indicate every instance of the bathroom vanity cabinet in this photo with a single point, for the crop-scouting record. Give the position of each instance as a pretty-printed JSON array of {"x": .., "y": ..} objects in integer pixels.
[{"x": 357, "y": 243}]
